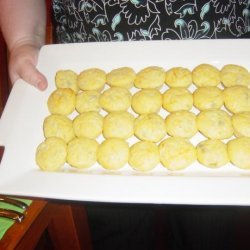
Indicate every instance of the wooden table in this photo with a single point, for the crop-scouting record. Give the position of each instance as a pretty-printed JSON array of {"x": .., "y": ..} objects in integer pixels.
[{"x": 65, "y": 223}]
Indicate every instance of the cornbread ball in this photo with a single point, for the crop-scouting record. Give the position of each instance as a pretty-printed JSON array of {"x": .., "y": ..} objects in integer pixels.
[
  {"x": 144, "y": 156},
  {"x": 87, "y": 101},
  {"x": 241, "y": 124},
  {"x": 232, "y": 75},
  {"x": 181, "y": 124},
  {"x": 150, "y": 77},
  {"x": 176, "y": 153},
  {"x": 62, "y": 101},
  {"x": 115, "y": 99},
  {"x": 150, "y": 127},
  {"x": 58, "y": 126},
  {"x": 239, "y": 152},
  {"x": 176, "y": 99},
  {"x": 147, "y": 101},
  {"x": 208, "y": 98},
  {"x": 212, "y": 153},
  {"x": 88, "y": 124},
  {"x": 91, "y": 79},
  {"x": 178, "y": 77},
  {"x": 121, "y": 77},
  {"x": 66, "y": 79},
  {"x": 119, "y": 124},
  {"x": 113, "y": 153},
  {"x": 237, "y": 99},
  {"x": 51, "y": 154},
  {"x": 205, "y": 75},
  {"x": 82, "y": 152},
  {"x": 215, "y": 124}
]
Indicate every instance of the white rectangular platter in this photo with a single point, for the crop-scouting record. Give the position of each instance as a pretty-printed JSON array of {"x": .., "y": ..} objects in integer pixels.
[{"x": 21, "y": 131}]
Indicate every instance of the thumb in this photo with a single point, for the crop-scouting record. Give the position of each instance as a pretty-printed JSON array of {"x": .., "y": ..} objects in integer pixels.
[{"x": 29, "y": 73}]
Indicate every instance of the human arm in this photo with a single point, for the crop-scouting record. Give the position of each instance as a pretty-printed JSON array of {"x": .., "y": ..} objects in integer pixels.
[{"x": 23, "y": 24}]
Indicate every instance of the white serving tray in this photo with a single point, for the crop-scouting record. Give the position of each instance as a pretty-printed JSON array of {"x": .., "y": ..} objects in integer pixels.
[{"x": 21, "y": 131}]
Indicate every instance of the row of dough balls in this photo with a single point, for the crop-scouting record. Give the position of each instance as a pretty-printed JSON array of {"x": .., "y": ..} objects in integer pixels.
[
  {"x": 213, "y": 124},
  {"x": 114, "y": 153},
  {"x": 64, "y": 101},
  {"x": 154, "y": 77}
]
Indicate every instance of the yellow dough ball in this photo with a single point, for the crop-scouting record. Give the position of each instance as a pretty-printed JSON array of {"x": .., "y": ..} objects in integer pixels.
[
  {"x": 62, "y": 101},
  {"x": 178, "y": 77},
  {"x": 58, "y": 126},
  {"x": 147, "y": 101},
  {"x": 144, "y": 156},
  {"x": 239, "y": 152},
  {"x": 241, "y": 124},
  {"x": 233, "y": 75},
  {"x": 215, "y": 124},
  {"x": 176, "y": 99},
  {"x": 176, "y": 153},
  {"x": 121, "y": 77},
  {"x": 51, "y": 154},
  {"x": 150, "y": 77},
  {"x": 91, "y": 79},
  {"x": 181, "y": 124},
  {"x": 212, "y": 153},
  {"x": 87, "y": 101},
  {"x": 66, "y": 79},
  {"x": 88, "y": 125},
  {"x": 113, "y": 153},
  {"x": 150, "y": 127},
  {"x": 118, "y": 124},
  {"x": 205, "y": 75},
  {"x": 237, "y": 99},
  {"x": 82, "y": 152},
  {"x": 115, "y": 99},
  {"x": 208, "y": 98}
]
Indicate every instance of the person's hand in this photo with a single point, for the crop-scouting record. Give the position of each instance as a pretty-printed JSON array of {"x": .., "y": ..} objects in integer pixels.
[{"x": 22, "y": 64}]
